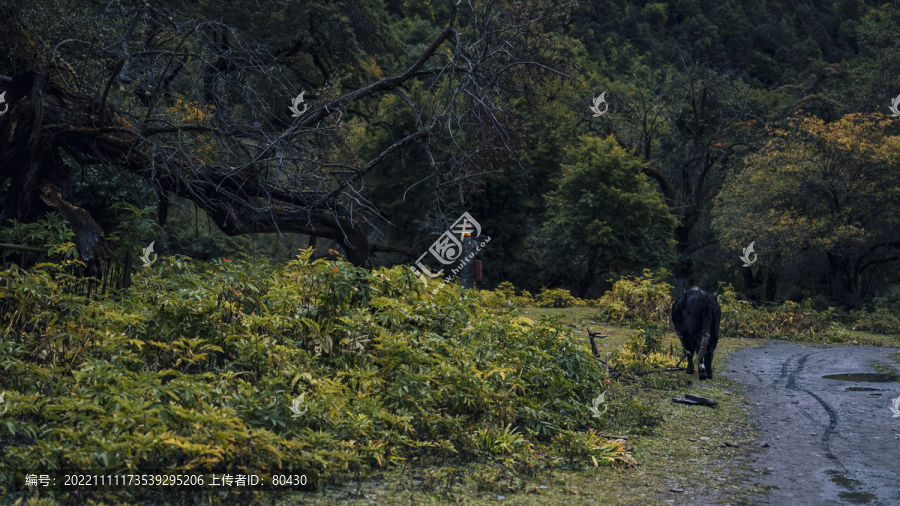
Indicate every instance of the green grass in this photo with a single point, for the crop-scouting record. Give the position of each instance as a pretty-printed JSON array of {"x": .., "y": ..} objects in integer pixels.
[
  {"x": 398, "y": 385},
  {"x": 867, "y": 338},
  {"x": 667, "y": 458}
]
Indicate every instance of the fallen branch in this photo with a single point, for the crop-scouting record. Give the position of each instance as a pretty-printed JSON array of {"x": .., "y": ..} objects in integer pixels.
[
  {"x": 702, "y": 400},
  {"x": 594, "y": 347},
  {"x": 696, "y": 400},
  {"x": 23, "y": 248}
]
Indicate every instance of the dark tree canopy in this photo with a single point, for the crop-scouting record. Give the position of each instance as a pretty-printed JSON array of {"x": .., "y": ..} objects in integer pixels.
[
  {"x": 413, "y": 112},
  {"x": 193, "y": 99}
]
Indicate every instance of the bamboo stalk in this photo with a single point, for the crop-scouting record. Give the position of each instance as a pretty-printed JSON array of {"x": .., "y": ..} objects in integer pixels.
[{"x": 22, "y": 248}]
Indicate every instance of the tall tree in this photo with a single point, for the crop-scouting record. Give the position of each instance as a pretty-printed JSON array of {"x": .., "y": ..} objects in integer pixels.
[
  {"x": 605, "y": 216},
  {"x": 688, "y": 125},
  {"x": 826, "y": 189}
]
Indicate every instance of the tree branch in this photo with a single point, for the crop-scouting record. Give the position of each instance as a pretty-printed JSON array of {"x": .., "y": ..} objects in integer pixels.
[{"x": 385, "y": 84}]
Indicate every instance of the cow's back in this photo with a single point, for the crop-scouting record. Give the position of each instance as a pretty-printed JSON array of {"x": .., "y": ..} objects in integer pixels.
[{"x": 694, "y": 313}]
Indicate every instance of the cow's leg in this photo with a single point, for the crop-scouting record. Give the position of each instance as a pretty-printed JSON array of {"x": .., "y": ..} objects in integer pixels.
[
  {"x": 690, "y": 359},
  {"x": 708, "y": 363},
  {"x": 702, "y": 358}
]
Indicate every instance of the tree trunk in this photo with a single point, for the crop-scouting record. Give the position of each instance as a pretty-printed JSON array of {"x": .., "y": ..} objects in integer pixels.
[
  {"x": 585, "y": 284},
  {"x": 771, "y": 286},
  {"x": 836, "y": 278},
  {"x": 126, "y": 276},
  {"x": 40, "y": 181},
  {"x": 853, "y": 298},
  {"x": 467, "y": 276},
  {"x": 88, "y": 235},
  {"x": 750, "y": 280},
  {"x": 683, "y": 268}
]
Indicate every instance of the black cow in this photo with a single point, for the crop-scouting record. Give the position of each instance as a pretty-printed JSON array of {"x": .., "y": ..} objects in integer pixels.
[{"x": 696, "y": 316}]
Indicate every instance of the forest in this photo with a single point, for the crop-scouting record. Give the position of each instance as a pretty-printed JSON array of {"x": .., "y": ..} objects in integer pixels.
[
  {"x": 728, "y": 123},
  {"x": 284, "y": 163}
]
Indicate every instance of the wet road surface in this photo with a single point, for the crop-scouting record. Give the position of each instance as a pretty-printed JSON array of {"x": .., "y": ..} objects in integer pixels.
[{"x": 831, "y": 442}]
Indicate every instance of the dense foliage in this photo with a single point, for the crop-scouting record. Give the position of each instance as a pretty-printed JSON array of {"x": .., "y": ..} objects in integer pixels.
[
  {"x": 819, "y": 191},
  {"x": 197, "y": 365},
  {"x": 702, "y": 96},
  {"x": 728, "y": 123},
  {"x": 644, "y": 302}
]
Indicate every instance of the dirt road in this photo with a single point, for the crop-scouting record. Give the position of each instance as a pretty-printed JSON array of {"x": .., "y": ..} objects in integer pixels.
[{"x": 831, "y": 442}]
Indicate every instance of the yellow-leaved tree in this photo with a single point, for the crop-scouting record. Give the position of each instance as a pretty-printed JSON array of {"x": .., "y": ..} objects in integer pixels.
[{"x": 817, "y": 189}]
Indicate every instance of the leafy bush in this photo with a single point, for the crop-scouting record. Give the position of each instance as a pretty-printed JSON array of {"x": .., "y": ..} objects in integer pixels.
[
  {"x": 503, "y": 440},
  {"x": 882, "y": 320},
  {"x": 557, "y": 297},
  {"x": 627, "y": 360},
  {"x": 638, "y": 298},
  {"x": 789, "y": 320},
  {"x": 52, "y": 234},
  {"x": 505, "y": 294},
  {"x": 580, "y": 446},
  {"x": 648, "y": 339},
  {"x": 197, "y": 365},
  {"x": 547, "y": 297}
]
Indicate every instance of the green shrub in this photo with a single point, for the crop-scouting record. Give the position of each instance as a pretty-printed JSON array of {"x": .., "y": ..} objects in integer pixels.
[
  {"x": 638, "y": 298},
  {"x": 882, "y": 321},
  {"x": 648, "y": 339},
  {"x": 198, "y": 363},
  {"x": 789, "y": 320},
  {"x": 52, "y": 234},
  {"x": 503, "y": 440},
  {"x": 547, "y": 297},
  {"x": 586, "y": 447},
  {"x": 505, "y": 294},
  {"x": 557, "y": 297}
]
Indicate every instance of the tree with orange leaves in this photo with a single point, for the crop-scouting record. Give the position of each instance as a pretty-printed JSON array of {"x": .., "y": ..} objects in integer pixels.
[{"x": 818, "y": 189}]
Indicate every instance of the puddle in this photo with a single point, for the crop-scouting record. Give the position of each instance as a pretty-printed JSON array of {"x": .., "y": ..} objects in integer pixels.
[
  {"x": 862, "y": 389},
  {"x": 857, "y": 497},
  {"x": 865, "y": 377},
  {"x": 852, "y": 496}
]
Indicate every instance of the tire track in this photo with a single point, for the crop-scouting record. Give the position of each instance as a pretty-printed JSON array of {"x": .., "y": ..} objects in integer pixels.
[
  {"x": 832, "y": 424},
  {"x": 792, "y": 377},
  {"x": 804, "y": 469}
]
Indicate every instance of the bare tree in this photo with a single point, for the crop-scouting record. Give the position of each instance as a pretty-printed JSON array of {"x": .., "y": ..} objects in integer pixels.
[{"x": 198, "y": 110}]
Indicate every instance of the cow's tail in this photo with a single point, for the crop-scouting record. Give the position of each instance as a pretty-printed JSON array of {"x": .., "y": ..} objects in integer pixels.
[{"x": 704, "y": 337}]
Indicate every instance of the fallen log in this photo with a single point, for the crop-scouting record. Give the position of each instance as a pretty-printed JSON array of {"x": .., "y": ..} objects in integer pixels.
[
  {"x": 696, "y": 400},
  {"x": 700, "y": 400}
]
